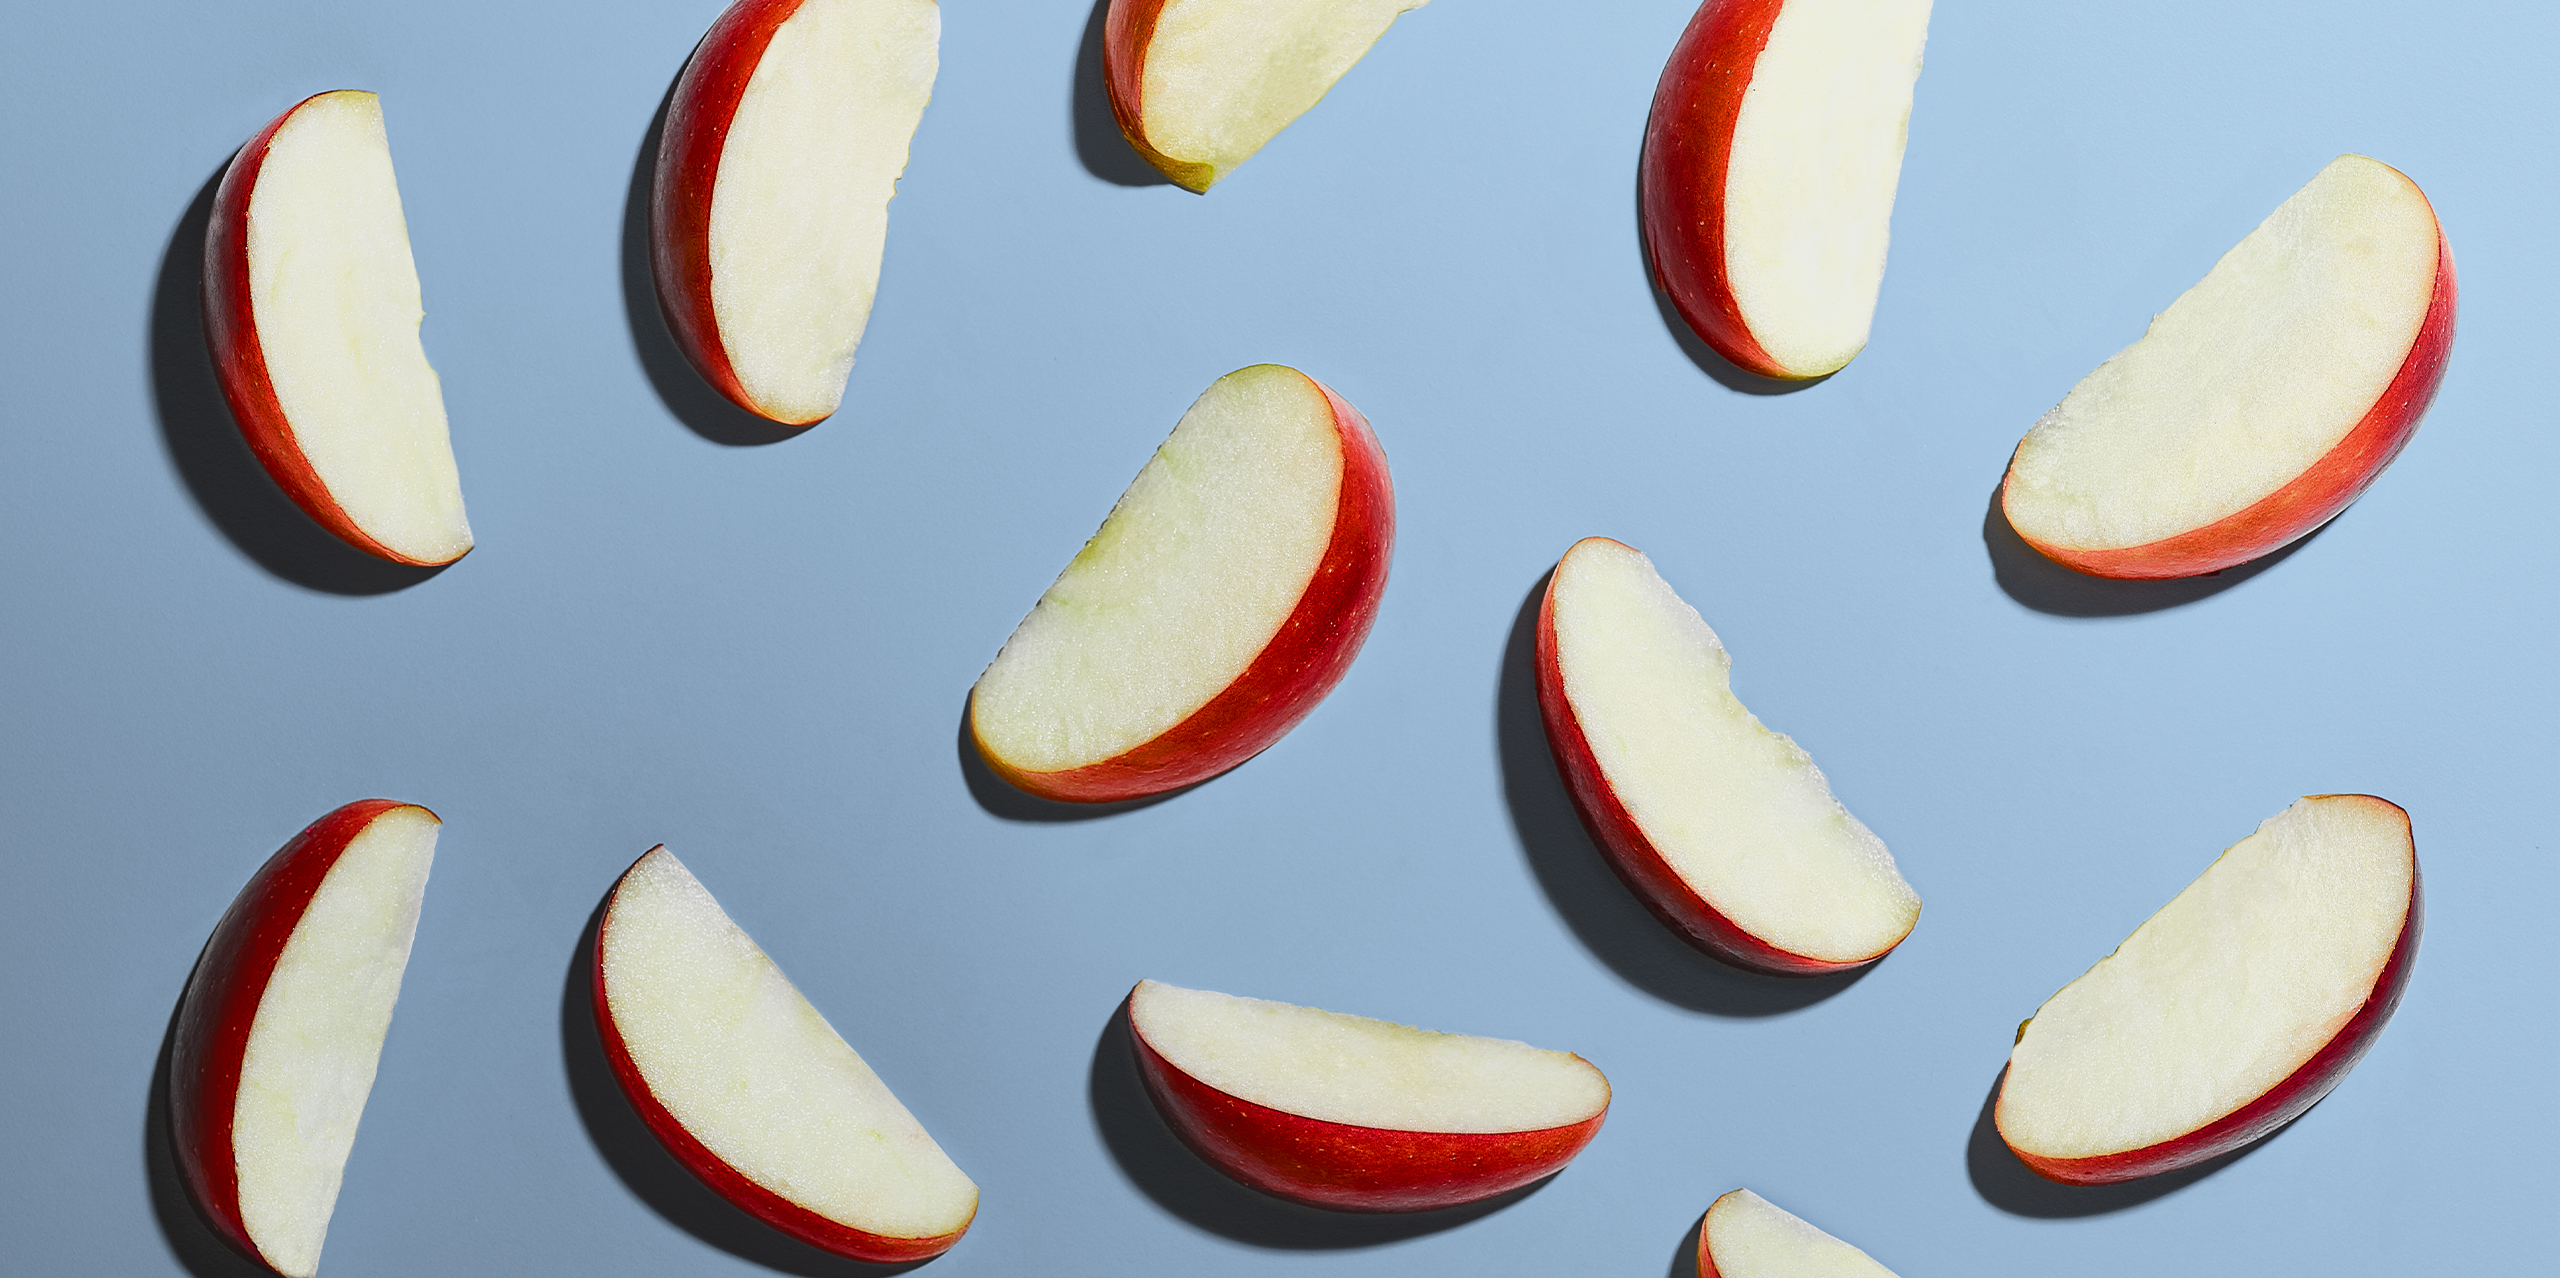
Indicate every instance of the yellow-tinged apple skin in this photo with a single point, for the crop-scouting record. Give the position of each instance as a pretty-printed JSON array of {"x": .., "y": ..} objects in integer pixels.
[
  {"x": 2309, "y": 499},
  {"x": 1128, "y": 29},
  {"x": 240, "y": 362},
  {"x": 1343, "y": 1166},
  {"x": 2273, "y": 1108},
  {"x": 1283, "y": 683}
]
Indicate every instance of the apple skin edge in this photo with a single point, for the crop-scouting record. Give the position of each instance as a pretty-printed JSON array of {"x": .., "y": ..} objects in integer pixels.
[
  {"x": 240, "y": 362},
  {"x": 221, "y": 1004},
  {"x": 1688, "y": 142},
  {"x": 1623, "y": 843},
  {"x": 2311, "y": 498},
  {"x": 1343, "y": 1166},
  {"x": 1283, "y": 683},
  {"x": 2275, "y": 1107},
  {"x": 715, "y": 1172},
  {"x": 1128, "y": 28},
  {"x": 697, "y": 128}
]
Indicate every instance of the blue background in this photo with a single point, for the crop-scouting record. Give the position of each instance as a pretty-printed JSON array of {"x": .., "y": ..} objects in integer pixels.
[{"x": 757, "y": 652}]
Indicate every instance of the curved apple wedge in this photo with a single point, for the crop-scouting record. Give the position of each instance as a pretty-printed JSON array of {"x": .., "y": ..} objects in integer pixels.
[
  {"x": 1358, "y": 1114},
  {"x": 282, "y": 1025},
  {"x": 1224, "y": 597},
  {"x": 1726, "y": 830},
  {"x": 1768, "y": 174},
  {"x": 2232, "y": 1010},
  {"x": 1198, "y": 86},
  {"x": 1747, "y": 1236},
  {"x": 311, "y": 309},
  {"x": 784, "y": 141},
  {"x": 750, "y": 1088},
  {"x": 2262, "y": 402}
]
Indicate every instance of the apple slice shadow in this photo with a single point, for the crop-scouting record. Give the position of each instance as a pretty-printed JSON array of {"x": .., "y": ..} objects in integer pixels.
[
  {"x": 2039, "y": 583},
  {"x": 1602, "y": 912},
  {"x": 647, "y": 1169},
  {"x": 1099, "y": 146},
  {"x": 691, "y": 400},
  {"x": 212, "y": 459},
  {"x": 2013, "y": 1187},
  {"x": 1179, "y": 1181},
  {"x": 1684, "y": 1258},
  {"x": 191, "y": 1239},
  {"x": 1710, "y": 361}
]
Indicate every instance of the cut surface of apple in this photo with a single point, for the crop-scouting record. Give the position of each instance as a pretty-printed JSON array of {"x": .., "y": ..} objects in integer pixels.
[
  {"x": 752, "y": 1090},
  {"x": 282, "y": 1027},
  {"x": 312, "y": 309},
  {"x": 2232, "y": 1010},
  {"x": 784, "y": 142},
  {"x": 1768, "y": 174},
  {"x": 2262, "y": 402},
  {"x": 1198, "y": 86},
  {"x": 1358, "y": 1114},
  {"x": 1224, "y": 597},
  {"x": 1747, "y": 1236},
  {"x": 1725, "y": 829}
]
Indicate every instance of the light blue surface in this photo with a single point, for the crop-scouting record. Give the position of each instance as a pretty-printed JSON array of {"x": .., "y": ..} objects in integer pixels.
[{"x": 758, "y": 654}]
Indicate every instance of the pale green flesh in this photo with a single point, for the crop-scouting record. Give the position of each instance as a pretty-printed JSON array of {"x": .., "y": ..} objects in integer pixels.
[
  {"x": 1223, "y": 77},
  {"x": 1751, "y": 1237}
]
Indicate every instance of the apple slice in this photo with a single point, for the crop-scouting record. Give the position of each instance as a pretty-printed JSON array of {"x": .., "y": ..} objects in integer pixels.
[
  {"x": 750, "y": 1088},
  {"x": 1747, "y": 1236},
  {"x": 2232, "y": 1010},
  {"x": 311, "y": 310},
  {"x": 282, "y": 1025},
  {"x": 1198, "y": 86},
  {"x": 1768, "y": 174},
  {"x": 1353, "y": 1113},
  {"x": 1224, "y": 597},
  {"x": 1725, "y": 829},
  {"x": 783, "y": 145},
  {"x": 2262, "y": 402}
]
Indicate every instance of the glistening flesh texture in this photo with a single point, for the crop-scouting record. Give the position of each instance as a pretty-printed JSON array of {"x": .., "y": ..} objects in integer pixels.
[
  {"x": 1816, "y": 156},
  {"x": 2286, "y": 349},
  {"x": 1739, "y": 813},
  {"x": 1199, "y": 565},
  {"x": 1220, "y": 78},
  {"x": 2249, "y": 995},
  {"x": 335, "y": 294},
  {"x": 729, "y": 1048},
  {"x": 1355, "y": 1070},
  {"x": 1747, "y": 1236},
  {"x": 800, "y": 208}
]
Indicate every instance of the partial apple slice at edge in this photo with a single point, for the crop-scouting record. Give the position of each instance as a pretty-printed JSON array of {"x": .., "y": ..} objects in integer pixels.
[
  {"x": 1747, "y": 1236},
  {"x": 311, "y": 310},
  {"x": 1358, "y": 1114},
  {"x": 1226, "y": 594},
  {"x": 1726, "y": 830},
  {"x": 2236, "y": 1007},
  {"x": 282, "y": 1025},
  {"x": 751, "y": 1089}
]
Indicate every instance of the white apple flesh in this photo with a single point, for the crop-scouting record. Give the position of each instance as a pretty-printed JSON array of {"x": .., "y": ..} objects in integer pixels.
[
  {"x": 752, "y": 1090},
  {"x": 1225, "y": 595},
  {"x": 1725, "y": 829},
  {"x": 1769, "y": 169},
  {"x": 1358, "y": 1114},
  {"x": 1747, "y": 1236},
  {"x": 2232, "y": 1010},
  {"x": 783, "y": 146},
  {"x": 282, "y": 1027},
  {"x": 1198, "y": 86},
  {"x": 312, "y": 311},
  {"x": 2262, "y": 402}
]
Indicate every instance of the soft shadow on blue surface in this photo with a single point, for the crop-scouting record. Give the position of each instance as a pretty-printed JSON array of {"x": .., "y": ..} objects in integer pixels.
[
  {"x": 704, "y": 411},
  {"x": 2045, "y": 586},
  {"x": 2009, "y": 1185},
  {"x": 648, "y": 1170},
  {"x": 192, "y": 1241},
  {"x": 1684, "y": 1258},
  {"x": 205, "y": 446},
  {"x": 1165, "y": 1169},
  {"x": 1604, "y": 914},
  {"x": 1104, "y": 153}
]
